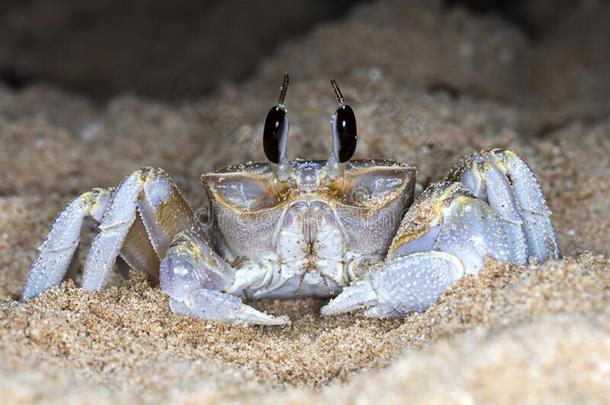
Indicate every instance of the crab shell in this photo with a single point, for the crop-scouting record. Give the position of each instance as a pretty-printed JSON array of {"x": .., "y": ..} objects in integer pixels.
[{"x": 310, "y": 223}]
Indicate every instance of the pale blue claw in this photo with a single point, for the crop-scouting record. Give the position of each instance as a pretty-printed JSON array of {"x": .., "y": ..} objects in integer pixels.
[
  {"x": 194, "y": 277},
  {"x": 490, "y": 205},
  {"x": 406, "y": 284}
]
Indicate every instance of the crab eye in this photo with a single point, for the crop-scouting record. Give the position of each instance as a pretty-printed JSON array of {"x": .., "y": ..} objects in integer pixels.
[
  {"x": 345, "y": 133},
  {"x": 343, "y": 126},
  {"x": 275, "y": 134}
]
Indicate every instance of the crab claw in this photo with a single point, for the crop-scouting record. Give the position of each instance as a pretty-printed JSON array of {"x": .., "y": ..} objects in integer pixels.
[
  {"x": 403, "y": 285},
  {"x": 490, "y": 205},
  {"x": 194, "y": 277},
  {"x": 218, "y": 306}
]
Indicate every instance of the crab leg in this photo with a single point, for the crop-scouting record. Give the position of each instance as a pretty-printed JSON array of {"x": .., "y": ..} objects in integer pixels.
[
  {"x": 163, "y": 210},
  {"x": 139, "y": 239},
  {"x": 194, "y": 277},
  {"x": 495, "y": 209},
  {"x": 57, "y": 251},
  {"x": 503, "y": 179},
  {"x": 457, "y": 232}
]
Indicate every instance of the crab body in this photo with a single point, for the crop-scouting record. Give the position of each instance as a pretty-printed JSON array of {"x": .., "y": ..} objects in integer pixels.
[
  {"x": 350, "y": 230},
  {"x": 310, "y": 234}
]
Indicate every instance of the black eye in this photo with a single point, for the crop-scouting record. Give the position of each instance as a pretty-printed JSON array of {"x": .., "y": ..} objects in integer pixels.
[
  {"x": 345, "y": 133},
  {"x": 275, "y": 134}
]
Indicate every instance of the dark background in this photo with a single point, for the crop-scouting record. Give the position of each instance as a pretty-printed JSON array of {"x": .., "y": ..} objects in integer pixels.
[{"x": 102, "y": 48}]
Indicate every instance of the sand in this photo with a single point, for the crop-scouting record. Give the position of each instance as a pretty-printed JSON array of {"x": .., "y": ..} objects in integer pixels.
[{"x": 452, "y": 83}]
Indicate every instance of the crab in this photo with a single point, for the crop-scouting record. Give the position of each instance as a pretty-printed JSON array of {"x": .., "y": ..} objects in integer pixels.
[{"x": 349, "y": 230}]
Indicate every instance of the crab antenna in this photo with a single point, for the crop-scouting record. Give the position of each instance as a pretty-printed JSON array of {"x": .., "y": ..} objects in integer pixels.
[
  {"x": 337, "y": 90},
  {"x": 284, "y": 89}
]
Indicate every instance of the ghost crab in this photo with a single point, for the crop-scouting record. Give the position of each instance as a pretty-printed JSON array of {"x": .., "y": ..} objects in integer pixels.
[{"x": 341, "y": 228}]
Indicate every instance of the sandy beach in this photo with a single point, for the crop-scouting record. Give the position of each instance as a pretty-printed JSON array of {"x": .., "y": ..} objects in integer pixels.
[{"x": 428, "y": 85}]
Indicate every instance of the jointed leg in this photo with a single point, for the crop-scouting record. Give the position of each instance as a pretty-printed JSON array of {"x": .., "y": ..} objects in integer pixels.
[
  {"x": 137, "y": 220},
  {"x": 57, "y": 251},
  {"x": 164, "y": 213},
  {"x": 489, "y": 206},
  {"x": 507, "y": 184},
  {"x": 445, "y": 234},
  {"x": 138, "y": 253}
]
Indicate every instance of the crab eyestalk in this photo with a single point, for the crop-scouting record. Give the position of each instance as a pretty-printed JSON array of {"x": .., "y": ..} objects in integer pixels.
[
  {"x": 344, "y": 135},
  {"x": 275, "y": 134}
]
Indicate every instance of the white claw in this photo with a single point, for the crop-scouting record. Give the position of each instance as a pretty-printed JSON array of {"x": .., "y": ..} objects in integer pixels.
[
  {"x": 194, "y": 276},
  {"x": 359, "y": 295},
  {"x": 217, "y": 306},
  {"x": 404, "y": 285}
]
